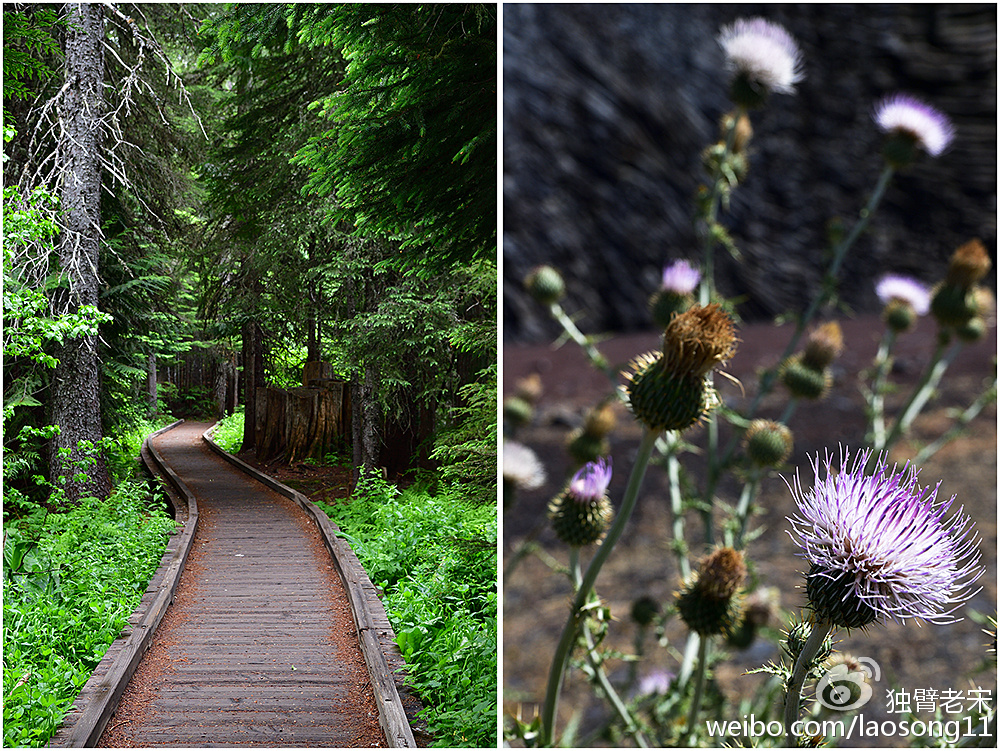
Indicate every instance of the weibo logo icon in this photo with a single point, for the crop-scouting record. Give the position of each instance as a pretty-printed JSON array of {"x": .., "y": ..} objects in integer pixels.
[{"x": 847, "y": 686}]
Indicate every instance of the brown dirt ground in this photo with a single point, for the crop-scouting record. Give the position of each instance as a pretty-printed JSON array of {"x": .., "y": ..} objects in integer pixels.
[{"x": 535, "y": 599}]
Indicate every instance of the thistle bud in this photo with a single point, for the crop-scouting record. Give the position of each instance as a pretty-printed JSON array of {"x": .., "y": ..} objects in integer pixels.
[
  {"x": 953, "y": 305},
  {"x": 545, "y": 284},
  {"x": 517, "y": 411},
  {"x": 904, "y": 299},
  {"x": 668, "y": 390},
  {"x": 529, "y": 388},
  {"x": 759, "y": 609},
  {"x": 644, "y": 610},
  {"x": 674, "y": 296},
  {"x": 768, "y": 443},
  {"x": 823, "y": 346},
  {"x": 710, "y": 603},
  {"x": 969, "y": 263},
  {"x": 582, "y": 513},
  {"x": 804, "y": 382},
  {"x": 584, "y": 447},
  {"x": 972, "y": 330},
  {"x": 589, "y": 442}
]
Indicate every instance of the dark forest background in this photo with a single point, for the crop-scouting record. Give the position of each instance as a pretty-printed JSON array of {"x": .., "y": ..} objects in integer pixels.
[{"x": 607, "y": 108}]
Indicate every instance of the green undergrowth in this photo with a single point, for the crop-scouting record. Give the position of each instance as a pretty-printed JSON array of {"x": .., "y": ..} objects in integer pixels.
[
  {"x": 229, "y": 432},
  {"x": 434, "y": 557},
  {"x": 70, "y": 582}
]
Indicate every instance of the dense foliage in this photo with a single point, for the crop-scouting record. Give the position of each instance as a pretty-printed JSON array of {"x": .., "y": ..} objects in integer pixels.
[
  {"x": 434, "y": 557},
  {"x": 71, "y": 581}
]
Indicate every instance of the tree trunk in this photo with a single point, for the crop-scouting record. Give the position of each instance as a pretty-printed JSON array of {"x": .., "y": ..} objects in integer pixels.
[
  {"x": 252, "y": 381},
  {"x": 219, "y": 388},
  {"x": 151, "y": 383},
  {"x": 371, "y": 419},
  {"x": 76, "y": 407}
]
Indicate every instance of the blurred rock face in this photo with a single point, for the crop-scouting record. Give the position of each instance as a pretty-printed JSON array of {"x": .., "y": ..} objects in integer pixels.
[{"x": 608, "y": 107}]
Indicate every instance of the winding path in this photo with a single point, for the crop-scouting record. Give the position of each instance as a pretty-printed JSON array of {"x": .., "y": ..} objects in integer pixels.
[{"x": 259, "y": 647}]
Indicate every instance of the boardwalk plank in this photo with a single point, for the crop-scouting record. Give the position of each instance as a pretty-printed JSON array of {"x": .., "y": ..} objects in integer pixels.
[{"x": 252, "y": 659}]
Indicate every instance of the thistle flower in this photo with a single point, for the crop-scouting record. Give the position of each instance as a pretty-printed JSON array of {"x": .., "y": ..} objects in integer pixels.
[
  {"x": 903, "y": 298},
  {"x": 582, "y": 512},
  {"x": 763, "y": 57},
  {"x": 823, "y": 346},
  {"x": 905, "y": 289},
  {"x": 521, "y": 470},
  {"x": 668, "y": 390},
  {"x": 680, "y": 279},
  {"x": 911, "y": 123},
  {"x": 589, "y": 441},
  {"x": 880, "y": 547},
  {"x": 968, "y": 264},
  {"x": 656, "y": 682},
  {"x": 710, "y": 602}
]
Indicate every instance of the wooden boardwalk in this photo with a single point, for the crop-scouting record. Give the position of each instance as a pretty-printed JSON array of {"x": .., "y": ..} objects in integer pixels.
[{"x": 259, "y": 647}]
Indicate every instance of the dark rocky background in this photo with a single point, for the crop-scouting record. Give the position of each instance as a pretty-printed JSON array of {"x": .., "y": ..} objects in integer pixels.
[{"x": 607, "y": 107}]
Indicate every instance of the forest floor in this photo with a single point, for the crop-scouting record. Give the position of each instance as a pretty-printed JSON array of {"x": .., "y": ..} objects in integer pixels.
[{"x": 911, "y": 657}]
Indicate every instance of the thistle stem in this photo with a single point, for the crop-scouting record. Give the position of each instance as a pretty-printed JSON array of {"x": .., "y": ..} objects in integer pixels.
[
  {"x": 793, "y": 697},
  {"x": 677, "y": 507},
  {"x": 883, "y": 363},
  {"x": 925, "y": 388},
  {"x": 747, "y": 496},
  {"x": 575, "y": 621},
  {"x": 970, "y": 412},
  {"x": 573, "y": 332},
  {"x": 699, "y": 686},
  {"x": 707, "y": 286},
  {"x": 839, "y": 253}
]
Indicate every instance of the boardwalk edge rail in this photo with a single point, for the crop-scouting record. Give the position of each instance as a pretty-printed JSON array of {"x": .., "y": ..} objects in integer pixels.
[
  {"x": 374, "y": 632},
  {"x": 99, "y": 697}
]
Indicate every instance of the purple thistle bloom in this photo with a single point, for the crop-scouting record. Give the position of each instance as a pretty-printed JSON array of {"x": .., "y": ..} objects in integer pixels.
[
  {"x": 928, "y": 126},
  {"x": 655, "y": 682},
  {"x": 764, "y": 52},
  {"x": 680, "y": 277},
  {"x": 590, "y": 482},
  {"x": 894, "y": 287},
  {"x": 880, "y": 546}
]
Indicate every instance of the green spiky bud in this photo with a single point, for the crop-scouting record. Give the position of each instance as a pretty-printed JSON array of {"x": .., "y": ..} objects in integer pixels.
[
  {"x": 664, "y": 401},
  {"x": 545, "y": 284},
  {"x": 972, "y": 330},
  {"x": 664, "y": 303},
  {"x": 899, "y": 316},
  {"x": 768, "y": 443},
  {"x": 517, "y": 411},
  {"x": 582, "y": 513},
  {"x": 710, "y": 603},
  {"x": 584, "y": 447},
  {"x": 804, "y": 382},
  {"x": 644, "y": 610},
  {"x": 823, "y": 346},
  {"x": 952, "y": 305}
]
